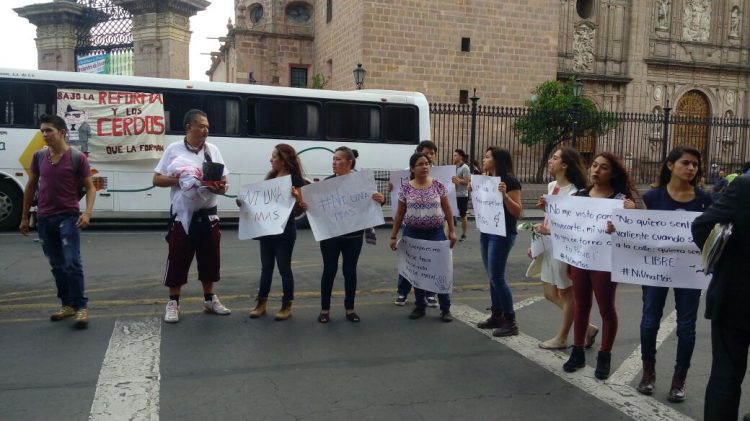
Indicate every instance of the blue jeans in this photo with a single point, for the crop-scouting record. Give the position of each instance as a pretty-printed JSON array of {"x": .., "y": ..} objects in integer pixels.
[
  {"x": 495, "y": 250},
  {"x": 278, "y": 248},
  {"x": 404, "y": 286},
  {"x": 686, "y": 302},
  {"x": 61, "y": 242}
]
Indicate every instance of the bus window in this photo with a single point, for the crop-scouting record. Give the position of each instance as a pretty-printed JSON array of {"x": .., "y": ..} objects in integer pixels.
[
  {"x": 288, "y": 118},
  {"x": 401, "y": 125},
  {"x": 252, "y": 126},
  {"x": 13, "y": 104},
  {"x": 43, "y": 99},
  {"x": 223, "y": 114},
  {"x": 175, "y": 107},
  {"x": 353, "y": 122}
]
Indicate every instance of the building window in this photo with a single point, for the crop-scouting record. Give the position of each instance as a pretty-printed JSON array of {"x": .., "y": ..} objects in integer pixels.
[
  {"x": 299, "y": 12},
  {"x": 256, "y": 13},
  {"x": 463, "y": 96},
  {"x": 465, "y": 44},
  {"x": 329, "y": 10},
  {"x": 585, "y": 8},
  {"x": 298, "y": 78}
]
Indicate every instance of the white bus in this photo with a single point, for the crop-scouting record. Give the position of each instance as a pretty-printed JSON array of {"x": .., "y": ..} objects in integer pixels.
[{"x": 246, "y": 122}]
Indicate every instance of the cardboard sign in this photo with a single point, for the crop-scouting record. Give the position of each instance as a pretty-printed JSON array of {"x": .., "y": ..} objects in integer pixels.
[
  {"x": 266, "y": 207},
  {"x": 427, "y": 265},
  {"x": 487, "y": 202}
]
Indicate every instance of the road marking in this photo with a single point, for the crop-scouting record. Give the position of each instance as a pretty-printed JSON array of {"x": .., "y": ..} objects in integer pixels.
[
  {"x": 630, "y": 368},
  {"x": 619, "y": 396},
  {"x": 128, "y": 385}
]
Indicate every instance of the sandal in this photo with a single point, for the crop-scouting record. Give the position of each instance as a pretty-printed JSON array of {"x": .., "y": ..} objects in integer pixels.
[
  {"x": 552, "y": 345},
  {"x": 324, "y": 318},
  {"x": 352, "y": 317},
  {"x": 591, "y": 333}
]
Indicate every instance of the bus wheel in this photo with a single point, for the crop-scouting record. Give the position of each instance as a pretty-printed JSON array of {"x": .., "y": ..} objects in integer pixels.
[{"x": 11, "y": 201}]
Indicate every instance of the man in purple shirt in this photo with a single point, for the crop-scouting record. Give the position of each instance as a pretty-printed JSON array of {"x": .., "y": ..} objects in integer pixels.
[{"x": 59, "y": 218}]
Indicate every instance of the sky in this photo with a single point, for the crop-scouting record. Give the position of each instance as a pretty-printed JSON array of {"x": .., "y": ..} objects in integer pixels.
[{"x": 20, "y": 53}]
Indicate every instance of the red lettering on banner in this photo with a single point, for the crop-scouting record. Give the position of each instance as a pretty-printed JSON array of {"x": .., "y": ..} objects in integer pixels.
[{"x": 129, "y": 126}]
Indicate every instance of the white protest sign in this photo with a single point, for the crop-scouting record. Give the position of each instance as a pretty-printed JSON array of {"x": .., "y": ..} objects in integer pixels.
[
  {"x": 113, "y": 125},
  {"x": 540, "y": 244},
  {"x": 487, "y": 202},
  {"x": 427, "y": 265},
  {"x": 341, "y": 205},
  {"x": 445, "y": 174},
  {"x": 656, "y": 248},
  {"x": 397, "y": 179},
  {"x": 265, "y": 208},
  {"x": 578, "y": 226}
]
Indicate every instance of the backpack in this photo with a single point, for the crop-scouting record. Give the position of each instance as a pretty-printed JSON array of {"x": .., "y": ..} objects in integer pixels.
[{"x": 75, "y": 157}]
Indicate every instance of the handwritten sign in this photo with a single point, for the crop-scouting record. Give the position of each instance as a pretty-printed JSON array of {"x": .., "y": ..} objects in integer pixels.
[
  {"x": 656, "y": 248},
  {"x": 487, "y": 201},
  {"x": 113, "y": 125},
  {"x": 341, "y": 205},
  {"x": 445, "y": 174},
  {"x": 578, "y": 226},
  {"x": 397, "y": 179},
  {"x": 266, "y": 207},
  {"x": 427, "y": 265}
]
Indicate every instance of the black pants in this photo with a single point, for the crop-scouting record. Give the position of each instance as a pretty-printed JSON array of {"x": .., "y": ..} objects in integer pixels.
[
  {"x": 349, "y": 249},
  {"x": 278, "y": 248},
  {"x": 730, "y": 339}
]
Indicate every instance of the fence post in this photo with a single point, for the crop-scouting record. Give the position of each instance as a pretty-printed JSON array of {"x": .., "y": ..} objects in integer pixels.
[
  {"x": 472, "y": 148},
  {"x": 665, "y": 133}
]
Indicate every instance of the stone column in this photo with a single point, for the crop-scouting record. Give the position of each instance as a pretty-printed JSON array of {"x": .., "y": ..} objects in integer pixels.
[
  {"x": 161, "y": 35},
  {"x": 56, "y": 26}
]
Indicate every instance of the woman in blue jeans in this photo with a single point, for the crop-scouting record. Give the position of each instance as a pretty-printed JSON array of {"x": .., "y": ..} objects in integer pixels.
[
  {"x": 495, "y": 248},
  {"x": 347, "y": 245},
  {"x": 422, "y": 208},
  {"x": 677, "y": 190},
  {"x": 279, "y": 247}
]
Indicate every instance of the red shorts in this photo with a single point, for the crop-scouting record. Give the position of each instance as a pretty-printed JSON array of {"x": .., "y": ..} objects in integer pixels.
[{"x": 202, "y": 243}]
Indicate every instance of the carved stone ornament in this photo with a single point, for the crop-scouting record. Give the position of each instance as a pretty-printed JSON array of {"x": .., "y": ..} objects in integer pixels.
[
  {"x": 696, "y": 20},
  {"x": 663, "y": 8},
  {"x": 583, "y": 48},
  {"x": 735, "y": 22},
  {"x": 657, "y": 93},
  {"x": 730, "y": 98}
]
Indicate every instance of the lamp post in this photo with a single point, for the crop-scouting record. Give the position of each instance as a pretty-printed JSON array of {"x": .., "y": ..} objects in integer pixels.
[
  {"x": 250, "y": 79},
  {"x": 577, "y": 88},
  {"x": 359, "y": 75}
]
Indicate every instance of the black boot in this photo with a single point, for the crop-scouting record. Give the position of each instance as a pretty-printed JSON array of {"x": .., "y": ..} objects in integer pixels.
[
  {"x": 677, "y": 391},
  {"x": 508, "y": 326},
  {"x": 646, "y": 386},
  {"x": 577, "y": 360},
  {"x": 602, "y": 365},
  {"x": 494, "y": 321}
]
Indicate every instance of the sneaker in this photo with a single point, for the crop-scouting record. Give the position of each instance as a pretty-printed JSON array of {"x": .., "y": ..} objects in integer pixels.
[
  {"x": 417, "y": 313},
  {"x": 63, "y": 313},
  {"x": 446, "y": 316},
  {"x": 400, "y": 300},
  {"x": 432, "y": 301},
  {"x": 462, "y": 239},
  {"x": 172, "y": 314},
  {"x": 215, "y": 306},
  {"x": 82, "y": 318}
]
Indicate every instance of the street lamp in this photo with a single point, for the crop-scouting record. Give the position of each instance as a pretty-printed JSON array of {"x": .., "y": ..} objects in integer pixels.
[
  {"x": 577, "y": 88},
  {"x": 359, "y": 75},
  {"x": 250, "y": 79}
]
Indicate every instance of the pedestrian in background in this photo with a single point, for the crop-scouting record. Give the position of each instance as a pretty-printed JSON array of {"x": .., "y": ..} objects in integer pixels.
[
  {"x": 203, "y": 240},
  {"x": 57, "y": 175},
  {"x": 609, "y": 180},
  {"x": 348, "y": 246},
  {"x": 566, "y": 165},
  {"x": 727, "y": 301},
  {"x": 422, "y": 208},
  {"x": 495, "y": 249},
  {"x": 278, "y": 248},
  {"x": 677, "y": 189},
  {"x": 462, "y": 179}
]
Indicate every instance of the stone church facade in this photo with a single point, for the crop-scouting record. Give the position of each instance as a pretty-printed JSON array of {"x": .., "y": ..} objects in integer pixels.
[{"x": 632, "y": 55}]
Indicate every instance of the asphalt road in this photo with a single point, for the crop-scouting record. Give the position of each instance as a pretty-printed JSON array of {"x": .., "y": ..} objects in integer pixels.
[{"x": 130, "y": 365}]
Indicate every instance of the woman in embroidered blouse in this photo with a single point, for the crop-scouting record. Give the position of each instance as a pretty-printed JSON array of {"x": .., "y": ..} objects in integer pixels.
[
  {"x": 422, "y": 208},
  {"x": 570, "y": 177},
  {"x": 609, "y": 180}
]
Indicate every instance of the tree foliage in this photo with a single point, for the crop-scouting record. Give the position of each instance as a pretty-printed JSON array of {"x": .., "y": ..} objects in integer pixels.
[{"x": 550, "y": 116}]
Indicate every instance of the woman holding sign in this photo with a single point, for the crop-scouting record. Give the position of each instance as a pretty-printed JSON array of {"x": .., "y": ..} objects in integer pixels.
[
  {"x": 348, "y": 246},
  {"x": 422, "y": 208},
  {"x": 677, "y": 189},
  {"x": 495, "y": 248},
  {"x": 570, "y": 177},
  {"x": 278, "y": 248},
  {"x": 609, "y": 180}
]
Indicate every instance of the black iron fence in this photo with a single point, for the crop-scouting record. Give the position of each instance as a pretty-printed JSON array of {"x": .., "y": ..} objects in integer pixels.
[{"x": 639, "y": 139}]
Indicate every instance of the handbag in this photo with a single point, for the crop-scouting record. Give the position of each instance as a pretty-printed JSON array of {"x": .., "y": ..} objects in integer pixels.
[{"x": 714, "y": 246}]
